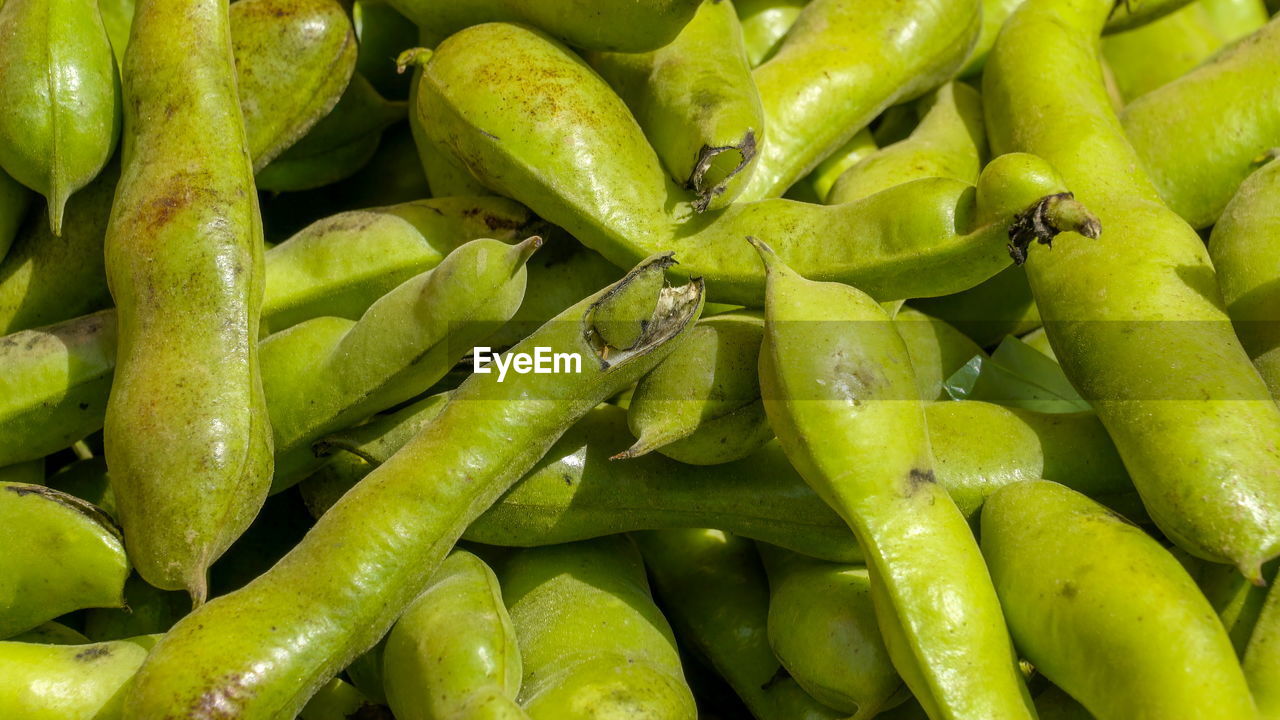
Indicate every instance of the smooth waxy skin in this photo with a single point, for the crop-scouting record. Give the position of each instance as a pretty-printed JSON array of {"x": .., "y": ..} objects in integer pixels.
[
  {"x": 345, "y": 583},
  {"x": 570, "y": 151},
  {"x": 1085, "y": 591},
  {"x": 593, "y": 643},
  {"x": 1235, "y": 96},
  {"x": 822, "y": 627},
  {"x": 841, "y": 64},
  {"x": 1262, "y": 658},
  {"x": 328, "y": 373},
  {"x": 714, "y": 590},
  {"x": 1200, "y": 437},
  {"x": 949, "y": 142},
  {"x": 764, "y": 24},
  {"x": 840, "y": 394},
  {"x": 697, "y": 103},
  {"x": 1145, "y": 58},
  {"x": 68, "y": 682},
  {"x": 702, "y": 404},
  {"x": 61, "y": 97},
  {"x": 453, "y": 653},
  {"x": 187, "y": 435},
  {"x": 825, "y": 175},
  {"x": 630, "y": 26},
  {"x": 994, "y": 13},
  {"x": 304, "y": 52},
  {"x": 62, "y": 554},
  {"x": 1244, "y": 246}
]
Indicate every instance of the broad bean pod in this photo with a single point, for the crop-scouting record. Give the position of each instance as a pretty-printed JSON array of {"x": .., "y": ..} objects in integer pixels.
[
  {"x": 1136, "y": 13},
  {"x": 697, "y": 103},
  {"x": 592, "y": 642},
  {"x": 1085, "y": 591},
  {"x": 1201, "y": 437},
  {"x": 454, "y": 653},
  {"x": 1147, "y": 57},
  {"x": 1262, "y": 658},
  {"x": 61, "y": 554},
  {"x": 567, "y": 148},
  {"x": 764, "y": 24},
  {"x": 68, "y": 682},
  {"x": 840, "y": 393},
  {"x": 340, "y": 589}
]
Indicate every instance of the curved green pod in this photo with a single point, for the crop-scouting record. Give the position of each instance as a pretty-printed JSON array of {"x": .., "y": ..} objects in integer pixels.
[
  {"x": 630, "y": 26},
  {"x": 1244, "y": 247},
  {"x": 1233, "y": 19},
  {"x": 117, "y": 18},
  {"x": 51, "y": 633},
  {"x": 702, "y": 404},
  {"x": 1084, "y": 592},
  {"x": 338, "y": 145},
  {"x": 840, "y": 65},
  {"x": 1147, "y": 57},
  {"x": 568, "y": 149},
  {"x": 858, "y": 148},
  {"x": 713, "y": 588},
  {"x": 1262, "y": 658},
  {"x": 1137, "y": 13},
  {"x": 994, "y": 15},
  {"x": 340, "y": 265},
  {"x": 697, "y": 103},
  {"x": 764, "y": 24},
  {"x": 54, "y": 385},
  {"x": 823, "y": 629},
  {"x": 936, "y": 350},
  {"x": 341, "y": 588},
  {"x": 454, "y": 653},
  {"x": 62, "y": 554},
  {"x": 14, "y": 200},
  {"x": 949, "y": 142},
  {"x": 849, "y": 399},
  {"x": 294, "y": 60},
  {"x": 27, "y": 472},
  {"x": 327, "y": 373},
  {"x": 1235, "y": 99},
  {"x": 592, "y": 642},
  {"x": 68, "y": 682},
  {"x": 186, "y": 431},
  {"x": 60, "y": 97},
  {"x": 1201, "y": 437},
  {"x": 1237, "y": 601}
]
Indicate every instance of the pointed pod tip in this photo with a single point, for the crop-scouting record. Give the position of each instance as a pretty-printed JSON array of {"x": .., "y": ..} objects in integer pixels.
[
  {"x": 640, "y": 449},
  {"x": 198, "y": 588},
  {"x": 416, "y": 57},
  {"x": 1252, "y": 571},
  {"x": 57, "y": 205},
  {"x": 527, "y": 247},
  {"x": 767, "y": 256}
]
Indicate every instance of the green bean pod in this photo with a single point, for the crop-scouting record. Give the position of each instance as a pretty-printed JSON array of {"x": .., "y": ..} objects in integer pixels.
[
  {"x": 1200, "y": 437},
  {"x": 713, "y": 588},
  {"x": 840, "y": 393},
  {"x": 117, "y": 17},
  {"x": 994, "y": 14},
  {"x": 1244, "y": 247},
  {"x": 187, "y": 434},
  {"x": 630, "y": 26},
  {"x": 825, "y": 175},
  {"x": 14, "y": 199},
  {"x": 764, "y": 24},
  {"x": 1262, "y": 658},
  {"x": 1233, "y": 19},
  {"x": 340, "y": 589},
  {"x": 1085, "y": 591},
  {"x": 593, "y": 643},
  {"x": 1234, "y": 98},
  {"x": 569, "y": 150},
  {"x": 294, "y": 60},
  {"x": 30, "y": 472},
  {"x": 62, "y": 554},
  {"x": 949, "y": 142},
  {"x": 60, "y": 97},
  {"x": 697, "y": 103},
  {"x": 453, "y": 653},
  {"x": 327, "y": 373},
  {"x": 1147, "y": 57},
  {"x": 936, "y": 350},
  {"x": 51, "y": 633},
  {"x": 1136, "y": 13},
  {"x": 822, "y": 627},
  {"x": 68, "y": 682},
  {"x": 840, "y": 65}
]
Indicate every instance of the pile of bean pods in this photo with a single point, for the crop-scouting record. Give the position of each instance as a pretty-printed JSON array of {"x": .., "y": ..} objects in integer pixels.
[{"x": 639, "y": 359}]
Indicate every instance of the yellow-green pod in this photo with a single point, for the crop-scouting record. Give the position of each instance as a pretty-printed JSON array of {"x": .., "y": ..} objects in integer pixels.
[
  {"x": 117, "y": 17},
  {"x": 994, "y": 13},
  {"x": 841, "y": 395},
  {"x": 936, "y": 349},
  {"x": 28, "y": 472},
  {"x": 822, "y": 627},
  {"x": 1232, "y": 97},
  {"x": 764, "y": 24},
  {"x": 857, "y": 149},
  {"x": 308, "y": 172},
  {"x": 949, "y": 142},
  {"x": 1237, "y": 601},
  {"x": 51, "y": 633},
  {"x": 840, "y": 65},
  {"x": 294, "y": 59},
  {"x": 453, "y": 653},
  {"x": 1085, "y": 591},
  {"x": 1233, "y": 19},
  {"x": 61, "y": 554},
  {"x": 1243, "y": 246},
  {"x": 630, "y": 26},
  {"x": 1137, "y": 13},
  {"x": 68, "y": 682},
  {"x": 187, "y": 436},
  {"x": 697, "y": 103},
  {"x": 593, "y": 643},
  {"x": 60, "y": 97},
  {"x": 1145, "y": 58},
  {"x": 1262, "y": 658},
  {"x": 339, "y": 700}
]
